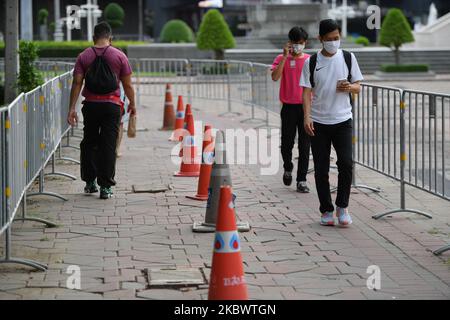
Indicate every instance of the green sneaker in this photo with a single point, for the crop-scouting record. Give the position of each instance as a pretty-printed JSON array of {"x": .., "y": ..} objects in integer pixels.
[
  {"x": 105, "y": 193},
  {"x": 90, "y": 188}
]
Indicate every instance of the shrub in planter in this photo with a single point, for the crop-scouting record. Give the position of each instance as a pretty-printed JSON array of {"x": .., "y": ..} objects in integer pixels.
[
  {"x": 363, "y": 41},
  {"x": 405, "y": 68},
  {"x": 176, "y": 31},
  {"x": 215, "y": 34},
  {"x": 114, "y": 15},
  {"x": 42, "y": 19},
  {"x": 395, "y": 32}
]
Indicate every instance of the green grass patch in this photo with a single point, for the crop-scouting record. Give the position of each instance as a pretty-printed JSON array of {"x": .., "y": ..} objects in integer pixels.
[
  {"x": 157, "y": 74},
  {"x": 405, "y": 68}
]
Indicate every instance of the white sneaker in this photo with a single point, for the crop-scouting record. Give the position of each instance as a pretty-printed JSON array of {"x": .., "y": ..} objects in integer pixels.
[
  {"x": 327, "y": 219},
  {"x": 344, "y": 217}
]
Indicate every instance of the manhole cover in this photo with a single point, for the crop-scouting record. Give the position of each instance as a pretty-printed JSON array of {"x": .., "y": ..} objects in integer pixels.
[{"x": 181, "y": 277}]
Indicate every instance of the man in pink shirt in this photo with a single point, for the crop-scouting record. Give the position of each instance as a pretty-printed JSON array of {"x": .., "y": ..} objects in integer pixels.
[
  {"x": 288, "y": 67},
  {"x": 101, "y": 69}
]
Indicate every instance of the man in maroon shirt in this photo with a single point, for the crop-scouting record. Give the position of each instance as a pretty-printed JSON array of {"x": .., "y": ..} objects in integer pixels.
[{"x": 101, "y": 113}]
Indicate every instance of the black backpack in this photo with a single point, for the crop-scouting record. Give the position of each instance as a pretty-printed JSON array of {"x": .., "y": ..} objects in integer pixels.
[
  {"x": 100, "y": 78},
  {"x": 313, "y": 65}
]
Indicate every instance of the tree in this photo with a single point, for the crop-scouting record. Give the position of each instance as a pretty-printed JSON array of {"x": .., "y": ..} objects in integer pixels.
[
  {"x": 176, "y": 31},
  {"x": 42, "y": 19},
  {"x": 114, "y": 15},
  {"x": 395, "y": 32},
  {"x": 29, "y": 76},
  {"x": 215, "y": 34}
]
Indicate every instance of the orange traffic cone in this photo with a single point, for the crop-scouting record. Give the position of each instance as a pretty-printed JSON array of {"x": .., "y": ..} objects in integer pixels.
[
  {"x": 169, "y": 113},
  {"x": 227, "y": 281},
  {"x": 179, "y": 121},
  {"x": 190, "y": 162},
  {"x": 189, "y": 120},
  {"x": 206, "y": 167},
  {"x": 188, "y": 126}
]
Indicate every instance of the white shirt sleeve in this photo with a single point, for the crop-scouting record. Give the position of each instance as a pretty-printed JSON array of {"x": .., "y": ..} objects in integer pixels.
[
  {"x": 305, "y": 78},
  {"x": 356, "y": 71}
]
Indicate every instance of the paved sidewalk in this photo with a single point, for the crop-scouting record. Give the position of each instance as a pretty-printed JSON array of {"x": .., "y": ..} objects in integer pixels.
[{"x": 287, "y": 255}]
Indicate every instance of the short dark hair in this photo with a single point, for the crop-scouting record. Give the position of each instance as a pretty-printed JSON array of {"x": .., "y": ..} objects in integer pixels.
[
  {"x": 297, "y": 34},
  {"x": 327, "y": 26},
  {"x": 102, "y": 31}
]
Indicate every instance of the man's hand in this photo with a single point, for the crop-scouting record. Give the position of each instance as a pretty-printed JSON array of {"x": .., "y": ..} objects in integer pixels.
[
  {"x": 287, "y": 49},
  {"x": 72, "y": 118},
  {"x": 309, "y": 126},
  {"x": 349, "y": 87},
  {"x": 345, "y": 87},
  {"x": 132, "y": 109}
]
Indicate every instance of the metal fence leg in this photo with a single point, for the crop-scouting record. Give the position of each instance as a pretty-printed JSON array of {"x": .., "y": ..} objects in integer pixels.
[
  {"x": 9, "y": 260},
  {"x": 253, "y": 119},
  {"x": 60, "y": 157},
  {"x": 266, "y": 124},
  {"x": 440, "y": 251},
  {"x": 61, "y": 174},
  {"x": 362, "y": 186},
  {"x": 402, "y": 171},
  {"x": 68, "y": 142},
  {"x": 230, "y": 111},
  {"x": 25, "y": 218},
  {"x": 42, "y": 192},
  {"x": 72, "y": 132}
]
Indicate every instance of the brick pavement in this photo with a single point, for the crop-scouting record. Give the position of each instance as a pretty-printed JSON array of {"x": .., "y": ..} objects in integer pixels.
[{"x": 287, "y": 255}]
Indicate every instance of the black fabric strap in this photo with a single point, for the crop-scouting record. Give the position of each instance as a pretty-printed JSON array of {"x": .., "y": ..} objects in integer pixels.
[
  {"x": 312, "y": 69},
  {"x": 104, "y": 52}
]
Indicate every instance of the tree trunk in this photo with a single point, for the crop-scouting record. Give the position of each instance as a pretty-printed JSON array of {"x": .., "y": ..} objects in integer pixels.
[
  {"x": 219, "y": 54},
  {"x": 141, "y": 19},
  {"x": 397, "y": 55},
  {"x": 11, "y": 49}
]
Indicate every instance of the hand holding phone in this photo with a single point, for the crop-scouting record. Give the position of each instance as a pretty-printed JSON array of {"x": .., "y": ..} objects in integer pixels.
[
  {"x": 343, "y": 85},
  {"x": 287, "y": 49}
]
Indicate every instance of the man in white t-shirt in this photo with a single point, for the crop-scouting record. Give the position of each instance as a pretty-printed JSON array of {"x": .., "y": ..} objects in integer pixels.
[{"x": 328, "y": 118}]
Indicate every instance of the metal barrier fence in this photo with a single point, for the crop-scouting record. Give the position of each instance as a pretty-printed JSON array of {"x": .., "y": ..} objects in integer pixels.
[
  {"x": 47, "y": 69},
  {"x": 51, "y": 69},
  {"x": 401, "y": 134},
  {"x": 32, "y": 128}
]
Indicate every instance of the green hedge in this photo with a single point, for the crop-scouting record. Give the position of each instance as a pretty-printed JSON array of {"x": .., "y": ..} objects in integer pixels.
[
  {"x": 176, "y": 31},
  {"x": 405, "y": 68},
  {"x": 51, "y": 49},
  {"x": 363, "y": 41}
]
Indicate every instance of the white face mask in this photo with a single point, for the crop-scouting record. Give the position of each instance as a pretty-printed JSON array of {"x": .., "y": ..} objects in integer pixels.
[
  {"x": 298, "y": 48},
  {"x": 332, "y": 46}
]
